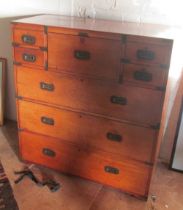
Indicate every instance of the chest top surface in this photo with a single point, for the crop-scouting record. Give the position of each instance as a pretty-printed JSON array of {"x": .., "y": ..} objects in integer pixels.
[{"x": 99, "y": 25}]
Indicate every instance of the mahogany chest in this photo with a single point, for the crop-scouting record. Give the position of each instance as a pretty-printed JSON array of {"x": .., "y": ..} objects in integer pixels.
[{"x": 89, "y": 97}]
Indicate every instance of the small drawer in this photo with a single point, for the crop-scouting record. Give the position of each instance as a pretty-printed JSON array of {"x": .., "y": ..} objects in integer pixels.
[
  {"x": 145, "y": 75},
  {"x": 130, "y": 176},
  {"x": 144, "y": 53},
  {"x": 94, "y": 57},
  {"x": 123, "y": 102},
  {"x": 30, "y": 57},
  {"x": 29, "y": 38},
  {"x": 132, "y": 141}
]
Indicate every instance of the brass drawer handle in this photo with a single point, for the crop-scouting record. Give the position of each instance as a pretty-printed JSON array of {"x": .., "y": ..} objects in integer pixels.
[
  {"x": 47, "y": 120},
  {"x": 118, "y": 100},
  {"x": 83, "y": 34},
  {"x": 142, "y": 75},
  {"x": 145, "y": 54},
  {"x": 47, "y": 86},
  {"x": 29, "y": 57},
  {"x": 114, "y": 137},
  {"x": 111, "y": 170},
  {"x": 28, "y": 39},
  {"x": 49, "y": 152},
  {"x": 81, "y": 55}
]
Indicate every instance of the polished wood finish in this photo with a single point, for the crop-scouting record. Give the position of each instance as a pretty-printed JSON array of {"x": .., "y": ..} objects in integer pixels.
[
  {"x": 94, "y": 95},
  {"x": 86, "y": 33},
  {"x": 157, "y": 75},
  {"x": 29, "y": 57},
  {"x": 68, "y": 23},
  {"x": 135, "y": 142},
  {"x": 29, "y": 38},
  {"x": 161, "y": 53},
  {"x": 25, "y": 26},
  {"x": 156, "y": 39},
  {"x": 132, "y": 177},
  {"x": 90, "y": 104},
  {"x": 85, "y": 55}
]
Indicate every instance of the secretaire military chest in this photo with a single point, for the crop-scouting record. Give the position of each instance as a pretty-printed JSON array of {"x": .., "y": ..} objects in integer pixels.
[{"x": 89, "y": 97}]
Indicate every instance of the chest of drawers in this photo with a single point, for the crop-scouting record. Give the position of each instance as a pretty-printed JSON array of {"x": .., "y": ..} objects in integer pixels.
[{"x": 89, "y": 100}]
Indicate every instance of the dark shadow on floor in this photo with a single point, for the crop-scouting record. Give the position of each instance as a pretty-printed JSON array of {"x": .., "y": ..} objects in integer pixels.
[{"x": 10, "y": 131}]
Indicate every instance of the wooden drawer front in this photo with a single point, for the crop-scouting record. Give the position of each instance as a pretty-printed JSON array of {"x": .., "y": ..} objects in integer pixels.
[
  {"x": 29, "y": 38},
  {"x": 123, "y": 102},
  {"x": 29, "y": 57},
  {"x": 119, "y": 138},
  {"x": 145, "y": 75},
  {"x": 85, "y": 33},
  {"x": 131, "y": 177},
  {"x": 148, "y": 53},
  {"x": 82, "y": 55}
]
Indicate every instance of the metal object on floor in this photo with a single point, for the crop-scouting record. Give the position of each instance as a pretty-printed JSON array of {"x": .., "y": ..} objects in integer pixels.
[
  {"x": 50, "y": 183},
  {"x": 153, "y": 202}
]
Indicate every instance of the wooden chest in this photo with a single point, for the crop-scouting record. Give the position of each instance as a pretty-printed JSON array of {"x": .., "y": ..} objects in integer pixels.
[{"x": 89, "y": 99}]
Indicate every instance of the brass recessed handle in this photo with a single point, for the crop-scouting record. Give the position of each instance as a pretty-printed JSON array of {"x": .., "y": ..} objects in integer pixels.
[
  {"x": 48, "y": 152},
  {"x": 118, "y": 100},
  {"x": 29, "y": 57},
  {"x": 28, "y": 39},
  {"x": 47, "y": 120},
  {"x": 145, "y": 54},
  {"x": 47, "y": 86},
  {"x": 142, "y": 75},
  {"x": 114, "y": 137},
  {"x": 111, "y": 170},
  {"x": 83, "y": 34},
  {"x": 81, "y": 55}
]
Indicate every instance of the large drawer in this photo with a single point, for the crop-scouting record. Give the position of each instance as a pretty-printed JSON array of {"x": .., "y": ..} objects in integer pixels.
[
  {"x": 130, "y": 176},
  {"x": 129, "y": 103},
  {"x": 83, "y": 55},
  {"x": 127, "y": 140}
]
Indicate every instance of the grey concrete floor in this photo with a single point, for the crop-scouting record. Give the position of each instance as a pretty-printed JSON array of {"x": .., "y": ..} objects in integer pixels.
[{"x": 80, "y": 194}]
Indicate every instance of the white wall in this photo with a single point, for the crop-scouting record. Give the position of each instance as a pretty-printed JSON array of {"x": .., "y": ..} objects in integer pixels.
[
  {"x": 11, "y": 8},
  {"x": 151, "y": 11},
  {"x": 154, "y": 11}
]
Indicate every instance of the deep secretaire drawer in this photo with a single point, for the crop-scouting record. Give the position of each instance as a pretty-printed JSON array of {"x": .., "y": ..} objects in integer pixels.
[
  {"x": 114, "y": 171},
  {"x": 82, "y": 55},
  {"x": 87, "y": 131},
  {"x": 128, "y": 103}
]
